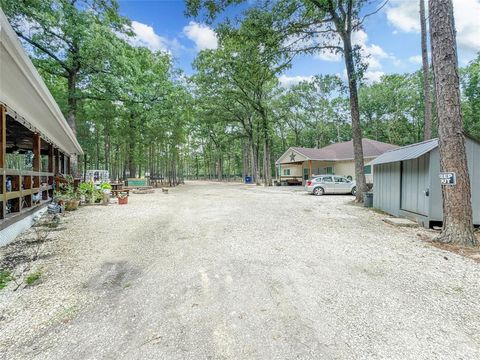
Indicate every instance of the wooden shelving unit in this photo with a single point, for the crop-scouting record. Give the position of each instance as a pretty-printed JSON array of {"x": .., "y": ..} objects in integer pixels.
[
  {"x": 25, "y": 187},
  {"x": 26, "y": 190}
]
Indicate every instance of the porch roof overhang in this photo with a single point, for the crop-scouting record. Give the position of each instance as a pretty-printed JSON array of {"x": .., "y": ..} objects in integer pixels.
[
  {"x": 283, "y": 161},
  {"x": 295, "y": 163},
  {"x": 26, "y": 96}
]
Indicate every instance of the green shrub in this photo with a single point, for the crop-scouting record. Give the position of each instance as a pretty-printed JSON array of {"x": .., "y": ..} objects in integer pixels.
[
  {"x": 5, "y": 278},
  {"x": 86, "y": 188},
  {"x": 33, "y": 277},
  {"x": 106, "y": 186}
]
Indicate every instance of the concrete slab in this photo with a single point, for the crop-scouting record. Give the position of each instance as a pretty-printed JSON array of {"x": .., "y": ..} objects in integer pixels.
[{"x": 401, "y": 222}]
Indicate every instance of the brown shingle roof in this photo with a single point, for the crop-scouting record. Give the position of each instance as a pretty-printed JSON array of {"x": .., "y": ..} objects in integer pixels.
[{"x": 344, "y": 150}]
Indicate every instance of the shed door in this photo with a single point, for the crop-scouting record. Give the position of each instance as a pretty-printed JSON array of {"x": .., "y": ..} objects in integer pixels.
[{"x": 415, "y": 182}]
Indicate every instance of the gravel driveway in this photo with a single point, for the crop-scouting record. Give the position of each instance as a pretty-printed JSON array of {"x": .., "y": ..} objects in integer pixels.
[{"x": 231, "y": 271}]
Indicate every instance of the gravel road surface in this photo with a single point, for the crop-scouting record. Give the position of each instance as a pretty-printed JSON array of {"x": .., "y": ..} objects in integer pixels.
[{"x": 231, "y": 271}]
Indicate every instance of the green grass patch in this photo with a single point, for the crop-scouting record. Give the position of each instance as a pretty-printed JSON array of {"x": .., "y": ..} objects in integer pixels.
[
  {"x": 33, "y": 277},
  {"x": 5, "y": 278}
]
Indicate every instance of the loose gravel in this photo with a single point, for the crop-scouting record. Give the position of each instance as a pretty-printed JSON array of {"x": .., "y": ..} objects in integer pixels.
[{"x": 231, "y": 271}]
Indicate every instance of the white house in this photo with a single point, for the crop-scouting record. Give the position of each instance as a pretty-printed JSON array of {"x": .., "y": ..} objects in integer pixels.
[{"x": 299, "y": 164}]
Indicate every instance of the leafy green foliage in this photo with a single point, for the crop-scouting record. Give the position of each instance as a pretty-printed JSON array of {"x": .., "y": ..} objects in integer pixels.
[
  {"x": 5, "y": 278},
  {"x": 135, "y": 114},
  {"x": 33, "y": 277},
  {"x": 392, "y": 109},
  {"x": 470, "y": 84}
]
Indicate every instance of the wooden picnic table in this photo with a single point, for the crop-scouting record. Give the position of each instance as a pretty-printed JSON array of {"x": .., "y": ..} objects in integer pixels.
[
  {"x": 115, "y": 192},
  {"x": 116, "y": 186}
]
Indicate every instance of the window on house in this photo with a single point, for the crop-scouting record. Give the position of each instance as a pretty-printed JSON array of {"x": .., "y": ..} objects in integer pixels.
[
  {"x": 286, "y": 172},
  {"x": 328, "y": 170},
  {"x": 367, "y": 169}
]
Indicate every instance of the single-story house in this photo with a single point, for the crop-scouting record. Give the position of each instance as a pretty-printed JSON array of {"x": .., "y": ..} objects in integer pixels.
[
  {"x": 298, "y": 164},
  {"x": 407, "y": 182},
  {"x": 35, "y": 140}
]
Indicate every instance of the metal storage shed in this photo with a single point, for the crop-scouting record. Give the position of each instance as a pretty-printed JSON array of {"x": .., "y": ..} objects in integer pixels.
[{"x": 407, "y": 182}]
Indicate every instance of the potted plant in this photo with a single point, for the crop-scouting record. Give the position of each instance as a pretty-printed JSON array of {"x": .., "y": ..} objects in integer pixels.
[
  {"x": 106, "y": 188},
  {"x": 87, "y": 192},
  {"x": 72, "y": 200},
  {"x": 59, "y": 198},
  {"x": 122, "y": 198}
]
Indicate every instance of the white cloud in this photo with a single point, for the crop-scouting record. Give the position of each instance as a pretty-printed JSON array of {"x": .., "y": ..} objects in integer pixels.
[
  {"x": 372, "y": 53},
  {"x": 359, "y": 37},
  {"x": 467, "y": 17},
  {"x": 145, "y": 36},
  {"x": 417, "y": 59},
  {"x": 287, "y": 81},
  {"x": 373, "y": 76},
  {"x": 327, "y": 55},
  {"x": 202, "y": 35},
  {"x": 404, "y": 15},
  {"x": 369, "y": 76}
]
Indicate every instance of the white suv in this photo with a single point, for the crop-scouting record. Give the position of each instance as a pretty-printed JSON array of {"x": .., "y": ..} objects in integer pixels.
[{"x": 330, "y": 184}]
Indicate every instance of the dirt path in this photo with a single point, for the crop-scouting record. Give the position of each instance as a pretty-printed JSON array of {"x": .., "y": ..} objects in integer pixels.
[{"x": 238, "y": 272}]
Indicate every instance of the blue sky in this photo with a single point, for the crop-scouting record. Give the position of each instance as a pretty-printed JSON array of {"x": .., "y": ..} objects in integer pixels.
[{"x": 391, "y": 37}]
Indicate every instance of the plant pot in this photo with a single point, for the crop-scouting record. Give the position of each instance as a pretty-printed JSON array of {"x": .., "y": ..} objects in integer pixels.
[
  {"x": 123, "y": 201},
  {"x": 106, "y": 199},
  {"x": 71, "y": 205}
]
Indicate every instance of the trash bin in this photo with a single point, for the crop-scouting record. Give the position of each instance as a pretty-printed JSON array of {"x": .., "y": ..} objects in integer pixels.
[
  {"x": 248, "y": 179},
  {"x": 368, "y": 199}
]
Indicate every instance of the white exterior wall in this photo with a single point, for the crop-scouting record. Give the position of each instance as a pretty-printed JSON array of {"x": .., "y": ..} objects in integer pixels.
[
  {"x": 9, "y": 234},
  {"x": 295, "y": 170}
]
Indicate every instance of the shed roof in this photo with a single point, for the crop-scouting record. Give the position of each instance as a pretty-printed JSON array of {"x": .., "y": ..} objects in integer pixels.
[
  {"x": 23, "y": 91},
  {"x": 342, "y": 151},
  {"x": 408, "y": 152}
]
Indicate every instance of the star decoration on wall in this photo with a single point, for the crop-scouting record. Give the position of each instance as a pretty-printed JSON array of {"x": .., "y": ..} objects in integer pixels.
[{"x": 292, "y": 156}]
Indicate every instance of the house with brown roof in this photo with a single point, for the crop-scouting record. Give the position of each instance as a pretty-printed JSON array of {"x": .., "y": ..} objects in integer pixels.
[{"x": 299, "y": 164}]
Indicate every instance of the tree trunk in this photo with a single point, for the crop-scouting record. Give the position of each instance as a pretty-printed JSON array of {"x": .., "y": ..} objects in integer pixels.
[
  {"x": 244, "y": 160},
  {"x": 355, "y": 114},
  {"x": 427, "y": 126},
  {"x": 267, "y": 170},
  {"x": 106, "y": 148},
  {"x": 72, "y": 113},
  {"x": 72, "y": 101},
  {"x": 457, "y": 207},
  {"x": 97, "y": 147},
  {"x": 266, "y": 179},
  {"x": 131, "y": 146},
  {"x": 254, "y": 162},
  {"x": 220, "y": 167}
]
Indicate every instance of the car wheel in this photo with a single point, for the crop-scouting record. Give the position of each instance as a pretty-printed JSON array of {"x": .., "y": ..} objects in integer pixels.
[
  {"x": 354, "y": 191},
  {"x": 318, "y": 191}
]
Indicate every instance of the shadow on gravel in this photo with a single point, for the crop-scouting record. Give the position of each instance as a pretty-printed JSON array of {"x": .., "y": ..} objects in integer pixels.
[{"x": 113, "y": 276}]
